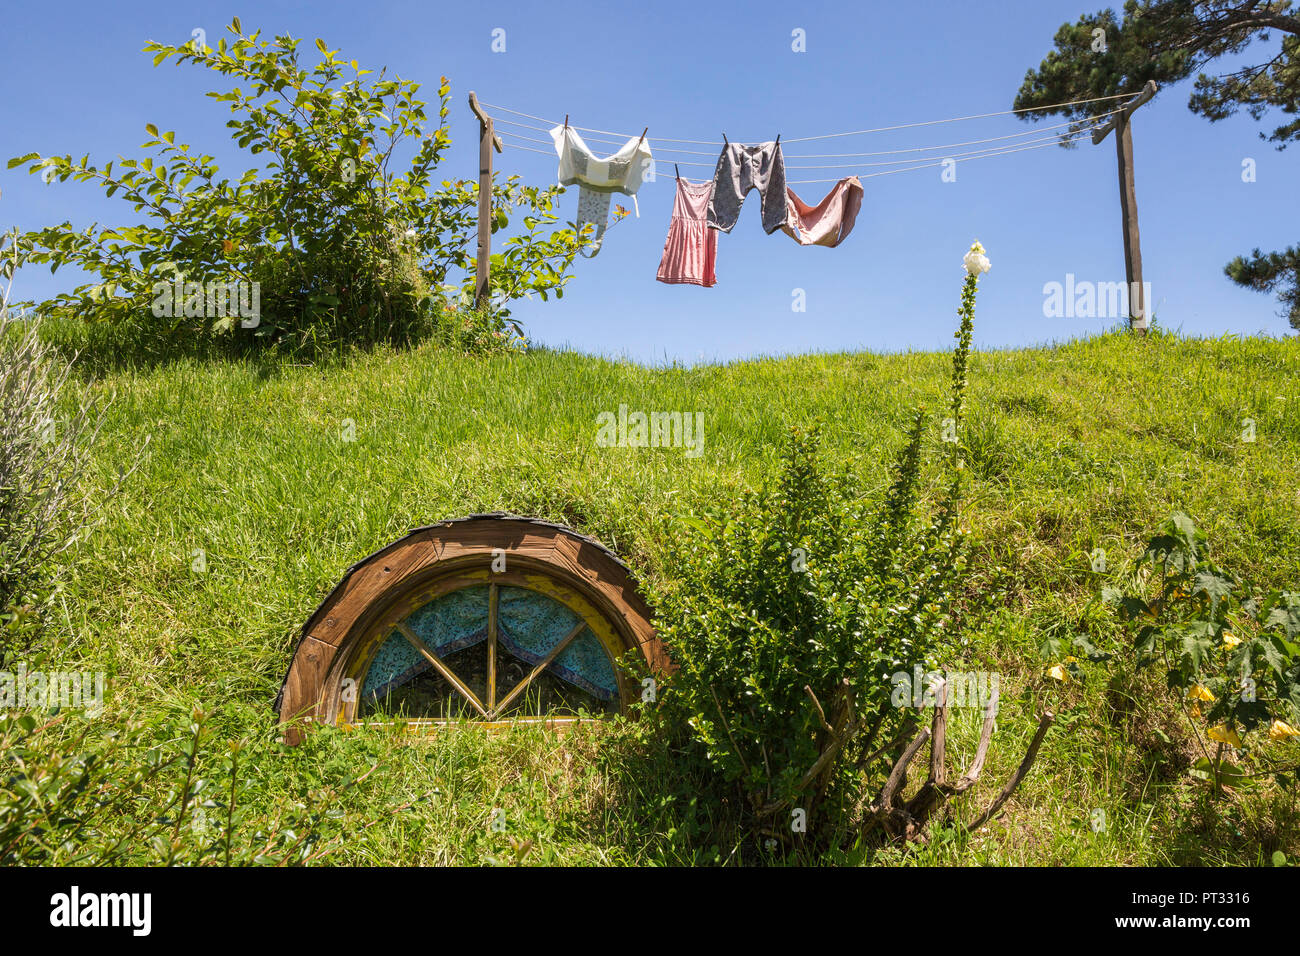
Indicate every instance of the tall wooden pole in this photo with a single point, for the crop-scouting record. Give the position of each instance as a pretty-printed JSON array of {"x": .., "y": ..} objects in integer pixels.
[
  {"x": 1121, "y": 124},
  {"x": 487, "y": 141},
  {"x": 1128, "y": 212}
]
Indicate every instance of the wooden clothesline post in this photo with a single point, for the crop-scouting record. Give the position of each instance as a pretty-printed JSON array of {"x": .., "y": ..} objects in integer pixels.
[
  {"x": 1137, "y": 303},
  {"x": 487, "y": 141}
]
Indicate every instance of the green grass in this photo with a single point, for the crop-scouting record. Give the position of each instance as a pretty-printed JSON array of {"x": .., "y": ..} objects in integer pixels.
[{"x": 1072, "y": 448}]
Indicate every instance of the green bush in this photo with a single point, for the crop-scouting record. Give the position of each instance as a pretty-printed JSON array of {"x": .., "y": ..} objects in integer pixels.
[
  {"x": 330, "y": 241},
  {"x": 1230, "y": 660},
  {"x": 477, "y": 332},
  {"x": 44, "y": 450},
  {"x": 790, "y": 612}
]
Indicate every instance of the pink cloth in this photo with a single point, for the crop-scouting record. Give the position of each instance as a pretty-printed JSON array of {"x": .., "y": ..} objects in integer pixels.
[
  {"x": 691, "y": 249},
  {"x": 830, "y": 221}
]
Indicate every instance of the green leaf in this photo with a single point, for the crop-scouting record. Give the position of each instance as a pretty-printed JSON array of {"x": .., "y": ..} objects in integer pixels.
[
  {"x": 1213, "y": 584},
  {"x": 1229, "y": 775},
  {"x": 151, "y": 129},
  {"x": 1286, "y": 614},
  {"x": 1089, "y": 650},
  {"x": 698, "y": 524},
  {"x": 1292, "y": 693},
  {"x": 1275, "y": 654},
  {"x": 1197, "y": 643},
  {"x": 1131, "y": 608},
  {"x": 1145, "y": 642}
]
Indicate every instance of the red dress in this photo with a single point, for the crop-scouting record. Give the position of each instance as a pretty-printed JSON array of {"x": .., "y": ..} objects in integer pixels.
[{"x": 691, "y": 249}]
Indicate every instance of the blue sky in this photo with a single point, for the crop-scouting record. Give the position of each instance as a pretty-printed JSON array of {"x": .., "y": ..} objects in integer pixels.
[{"x": 693, "y": 71}]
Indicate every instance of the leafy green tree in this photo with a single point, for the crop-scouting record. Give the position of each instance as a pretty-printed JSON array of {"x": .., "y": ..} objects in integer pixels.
[
  {"x": 1103, "y": 55},
  {"x": 333, "y": 239}
]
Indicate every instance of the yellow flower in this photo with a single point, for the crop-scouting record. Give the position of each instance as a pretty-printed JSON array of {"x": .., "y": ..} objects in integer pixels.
[
  {"x": 1281, "y": 730},
  {"x": 1059, "y": 672},
  {"x": 1224, "y": 735},
  {"x": 1197, "y": 692},
  {"x": 1230, "y": 639}
]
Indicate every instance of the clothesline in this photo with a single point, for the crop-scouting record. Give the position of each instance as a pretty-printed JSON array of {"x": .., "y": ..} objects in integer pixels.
[
  {"x": 885, "y": 152},
  {"x": 975, "y": 154},
  {"x": 551, "y": 152},
  {"x": 1047, "y": 140},
  {"x": 805, "y": 139},
  {"x": 704, "y": 209},
  {"x": 999, "y": 152},
  {"x": 893, "y": 162},
  {"x": 601, "y": 139}
]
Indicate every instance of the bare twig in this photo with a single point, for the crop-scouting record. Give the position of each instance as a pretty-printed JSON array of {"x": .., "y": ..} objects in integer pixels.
[
  {"x": 1044, "y": 723},
  {"x": 821, "y": 714}
]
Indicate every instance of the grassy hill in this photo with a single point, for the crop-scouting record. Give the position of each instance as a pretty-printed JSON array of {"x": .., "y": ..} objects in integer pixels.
[{"x": 1082, "y": 446}]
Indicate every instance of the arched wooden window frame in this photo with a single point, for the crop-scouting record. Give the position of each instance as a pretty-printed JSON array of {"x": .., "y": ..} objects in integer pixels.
[{"x": 341, "y": 637}]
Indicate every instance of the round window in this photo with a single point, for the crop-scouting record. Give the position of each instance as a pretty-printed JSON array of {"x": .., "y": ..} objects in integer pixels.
[{"x": 492, "y": 618}]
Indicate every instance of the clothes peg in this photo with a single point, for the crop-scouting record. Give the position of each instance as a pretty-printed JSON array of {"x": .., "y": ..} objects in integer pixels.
[
  {"x": 566, "y": 121},
  {"x": 724, "y": 140},
  {"x": 778, "y": 139},
  {"x": 677, "y": 171},
  {"x": 643, "y": 132}
]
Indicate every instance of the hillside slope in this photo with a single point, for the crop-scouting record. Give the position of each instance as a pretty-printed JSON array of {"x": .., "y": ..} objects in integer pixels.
[{"x": 284, "y": 476}]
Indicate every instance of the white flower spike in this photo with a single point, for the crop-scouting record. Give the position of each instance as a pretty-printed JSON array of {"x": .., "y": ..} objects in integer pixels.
[{"x": 975, "y": 261}]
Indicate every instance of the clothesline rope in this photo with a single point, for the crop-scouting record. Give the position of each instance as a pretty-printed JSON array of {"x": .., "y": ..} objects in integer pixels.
[
  {"x": 588, "y": 129},
  {"x": 551, "y": 152},
  {"x": 858, "y": 132},
  {"x": 1048, "y": 140},
  {"x": 614, "y": 142},
  {"x": 1003, "y": 151},
  {"x": 529, "y": 149},
  {"x": 884, "y": 152},
  {"x": 547, "y": 142},
  {"x": 958, "y": 119},
  {"x": 975, "y": 154},
  {"x": 974, "y": 142},
  {"x": 969, "y": 154}
]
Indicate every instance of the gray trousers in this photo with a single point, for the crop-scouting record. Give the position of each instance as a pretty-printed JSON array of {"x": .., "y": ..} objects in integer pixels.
[{"x": 740, "y": 169}]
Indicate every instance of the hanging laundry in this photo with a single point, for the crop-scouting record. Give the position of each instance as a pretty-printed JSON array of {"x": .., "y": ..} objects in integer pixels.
[
  {"x": 622, "y": 172},
  {"x": 742, "y": 168},
  {"x": 691, "y": 249},
  {"x": 830, "y": 221}
]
